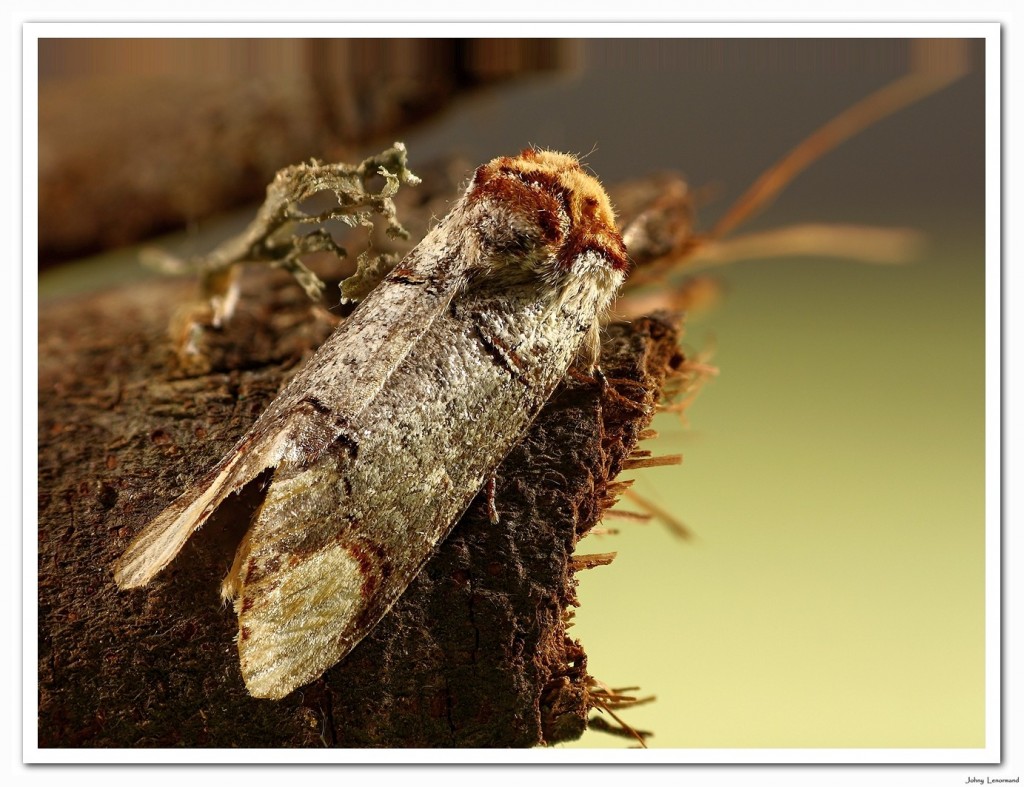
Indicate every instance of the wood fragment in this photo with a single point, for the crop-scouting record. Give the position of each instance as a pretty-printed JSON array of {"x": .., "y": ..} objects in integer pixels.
[
  {"x": 607, "y": 700},
  {"x": 653, "y": 461},
  {"x": 475, "y": 654},
  {"x": 675, "y": 525},
  {"x": 583, "y": 562},
  {"x": 937, "y": 64},
  {"x": 621, "y": 513}
]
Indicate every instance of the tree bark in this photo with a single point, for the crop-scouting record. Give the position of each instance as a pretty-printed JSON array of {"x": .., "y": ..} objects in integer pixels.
[{"x": 474, "y": 654}]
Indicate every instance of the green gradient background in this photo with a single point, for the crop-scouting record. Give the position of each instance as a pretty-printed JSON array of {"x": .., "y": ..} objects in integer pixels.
[
  {"x": 834, "y": 474},
  {"x": 834, "y": 471}
]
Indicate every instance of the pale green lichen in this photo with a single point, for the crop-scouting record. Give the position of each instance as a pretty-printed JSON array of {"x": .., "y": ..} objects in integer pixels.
[{"x": 275, "y": 234}]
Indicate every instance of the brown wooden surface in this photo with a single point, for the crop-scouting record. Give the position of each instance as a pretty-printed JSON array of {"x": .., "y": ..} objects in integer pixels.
[
  {"x": 476, "y": 652},
  {"x": 142, "y": 136}
]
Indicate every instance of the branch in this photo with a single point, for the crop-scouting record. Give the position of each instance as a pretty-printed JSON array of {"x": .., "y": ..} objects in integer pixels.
[{"x": 474, "y": 654}]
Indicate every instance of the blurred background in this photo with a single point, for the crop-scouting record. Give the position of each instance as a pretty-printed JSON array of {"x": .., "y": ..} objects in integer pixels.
[{"x": 833, "y": 475}]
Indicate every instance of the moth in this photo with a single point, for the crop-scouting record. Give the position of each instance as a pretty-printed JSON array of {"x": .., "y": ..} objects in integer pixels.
[{"x": 383, "y": 439}]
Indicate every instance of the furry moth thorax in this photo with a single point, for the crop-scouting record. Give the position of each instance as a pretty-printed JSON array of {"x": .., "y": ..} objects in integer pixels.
[
  {"x": 540, "y": 213},
  {"x": 543, "y": 205}
]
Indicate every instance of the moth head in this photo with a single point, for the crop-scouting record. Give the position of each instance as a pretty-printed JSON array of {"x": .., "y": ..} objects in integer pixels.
[{"x": 543, "y": 212}]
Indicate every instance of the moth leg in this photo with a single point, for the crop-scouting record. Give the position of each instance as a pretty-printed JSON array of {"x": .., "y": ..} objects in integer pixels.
[
  {"x": 231, "y": 586},
  {"x": 596, "y": 377},
  {"x": 492, "y": 505}
]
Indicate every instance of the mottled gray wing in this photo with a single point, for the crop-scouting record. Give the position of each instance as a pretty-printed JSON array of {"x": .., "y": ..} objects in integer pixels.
[
  {"x": 338, "y": 541},
  {"x": 328, "y": 393}
]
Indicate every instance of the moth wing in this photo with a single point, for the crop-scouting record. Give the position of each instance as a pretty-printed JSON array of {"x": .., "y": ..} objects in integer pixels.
[
  {"x": 313, "y": 580},
  {"x": 338, "y": 540},
  {"x": 162, "y": 538},
  {"x": 335, "y": 385}
]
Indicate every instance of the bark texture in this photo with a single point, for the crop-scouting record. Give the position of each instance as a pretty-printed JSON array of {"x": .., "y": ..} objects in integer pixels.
[{"x": 474, "y": 654}]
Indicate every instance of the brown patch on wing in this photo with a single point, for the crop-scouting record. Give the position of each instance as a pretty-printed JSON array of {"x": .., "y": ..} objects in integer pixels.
[
  {"x": 503, "y": 355},
  {"x": 257, "y": 569},
  {"x": 408, "y": 276},
  {"x": 374, "y": 565}
]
